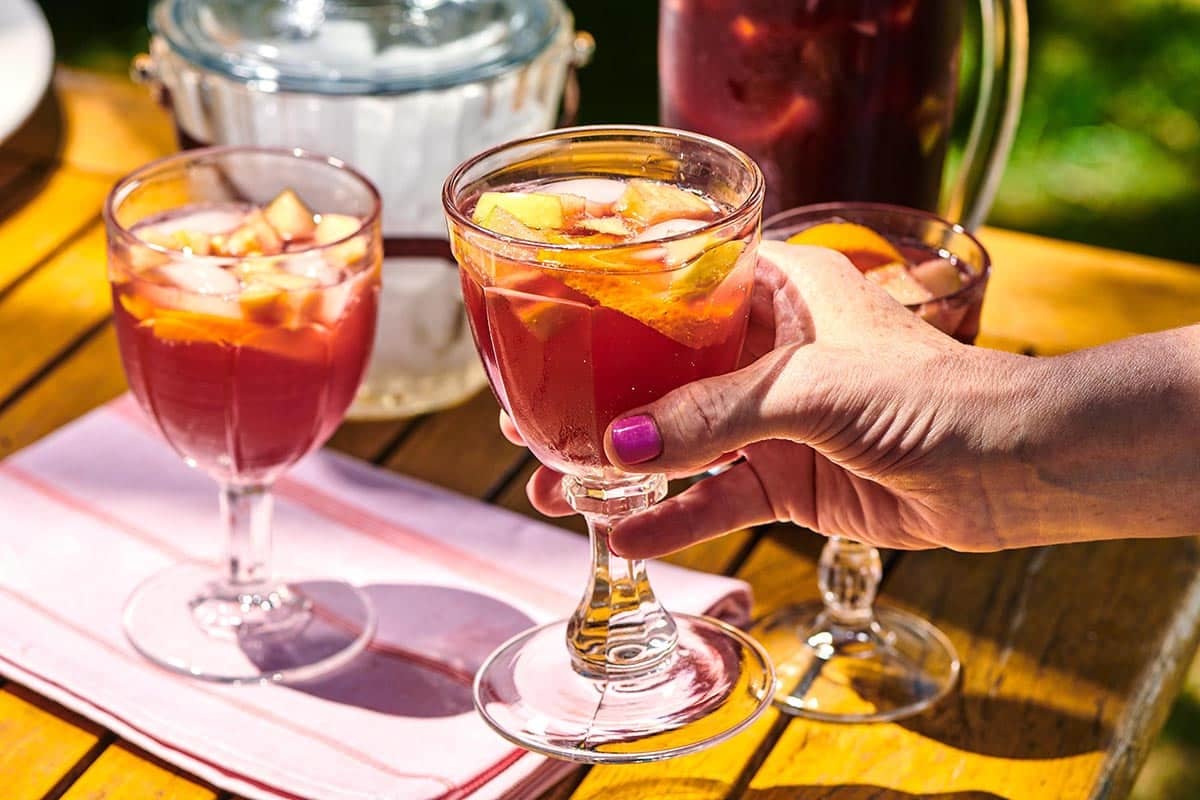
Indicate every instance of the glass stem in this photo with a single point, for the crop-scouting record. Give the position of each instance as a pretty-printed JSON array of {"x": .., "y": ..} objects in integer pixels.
[
  {"x": 619, "y": 629},
  {"x": 848, "y": 574},
  {"x": 246, "y": 513}
]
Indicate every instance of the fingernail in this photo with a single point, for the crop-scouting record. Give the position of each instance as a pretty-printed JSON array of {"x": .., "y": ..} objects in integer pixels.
[{"x": 636, "y": 439}]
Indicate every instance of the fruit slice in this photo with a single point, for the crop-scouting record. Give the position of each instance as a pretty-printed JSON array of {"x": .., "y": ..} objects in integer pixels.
[
  {"x": 276, "y": 298},
  {"x": 613, "y": 226},
  {"x": 255, "y": 237},
  {"x": 336, "y": 227},
  {"x": 939, "y": 275},
  {"x": 707, "y": 271},
  {"x": 288, "y": 215},
  {"x": 533, "y": 209},
  {"x": 863, "y": 246},
  {"x": 900, "y": 284},
  {"x": 651, "y": 202}
]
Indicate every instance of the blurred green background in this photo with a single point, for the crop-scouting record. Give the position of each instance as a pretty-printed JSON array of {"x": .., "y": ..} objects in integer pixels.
[{"x": 1108, "y": 152}]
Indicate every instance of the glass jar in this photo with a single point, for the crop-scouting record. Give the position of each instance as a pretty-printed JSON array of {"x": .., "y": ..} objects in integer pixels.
[{"x": 403, "y": 90}]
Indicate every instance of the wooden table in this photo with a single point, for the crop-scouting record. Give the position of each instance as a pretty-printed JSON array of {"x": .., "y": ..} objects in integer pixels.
[{"x": 1072, "y": 654}]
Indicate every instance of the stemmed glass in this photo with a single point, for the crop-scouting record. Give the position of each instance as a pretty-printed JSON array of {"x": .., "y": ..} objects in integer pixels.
[
  {"x": 845, "y": 658},
  {"x": 244, "y": 363},
  {"x": 572, "y": 336}
]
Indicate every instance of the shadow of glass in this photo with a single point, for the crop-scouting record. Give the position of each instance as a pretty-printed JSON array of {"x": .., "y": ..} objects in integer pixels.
[
  {"x": 1007, "y": 728},
  {"x": 38, "y": 140},
  {"x": 429, "y": 642},
  {"x": 856, "y": 791}
]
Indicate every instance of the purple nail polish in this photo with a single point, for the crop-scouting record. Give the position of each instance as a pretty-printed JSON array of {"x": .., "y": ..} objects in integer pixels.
[{"x": 636, "y": 439}]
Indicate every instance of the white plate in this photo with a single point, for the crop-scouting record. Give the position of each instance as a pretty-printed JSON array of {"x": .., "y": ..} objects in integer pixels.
[{"x": 26, "y": 61}]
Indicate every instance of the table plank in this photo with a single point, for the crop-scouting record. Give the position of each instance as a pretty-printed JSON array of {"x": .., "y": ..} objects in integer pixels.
[
  {"x": 1052, "y": 297},
  {"x": 1062, "y": 692},
  {"x": 40, "y": 741},
  {"x": 124, "y": 772}
]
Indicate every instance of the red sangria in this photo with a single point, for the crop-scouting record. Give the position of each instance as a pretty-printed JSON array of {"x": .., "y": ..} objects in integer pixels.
[
  {"x": 245, "y": 317},
  {"x": 602, "y": 268}
]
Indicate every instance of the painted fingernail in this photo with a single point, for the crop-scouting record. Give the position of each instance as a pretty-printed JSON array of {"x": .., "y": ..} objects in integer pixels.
[{"x": 636, "y": 439}]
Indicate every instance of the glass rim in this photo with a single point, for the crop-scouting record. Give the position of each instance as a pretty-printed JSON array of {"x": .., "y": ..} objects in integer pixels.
[
  {"x": 131, "y": 181},
  {"x": 829, "y": 209},
  {"x": 754, "y": 197}
]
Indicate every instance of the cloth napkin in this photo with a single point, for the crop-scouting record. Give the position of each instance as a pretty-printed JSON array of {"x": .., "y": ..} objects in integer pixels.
[{"x": 91, "y": 511}]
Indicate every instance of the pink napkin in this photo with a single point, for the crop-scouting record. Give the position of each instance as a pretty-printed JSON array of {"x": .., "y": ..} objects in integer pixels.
[{"x": 102, "y": 504}]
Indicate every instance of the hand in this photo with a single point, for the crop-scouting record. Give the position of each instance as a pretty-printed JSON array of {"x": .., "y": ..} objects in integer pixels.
[{"x": 853, "y": 418}]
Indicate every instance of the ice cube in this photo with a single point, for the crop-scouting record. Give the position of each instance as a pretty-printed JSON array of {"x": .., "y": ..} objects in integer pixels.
[
  {"x": 206, "y": 220},
  {"x": 668, "y": 228},
  {"x": 199, "y": 277},
  {"x": 605, "y": 191},
  {"x": 939, "y": 275},
  {"x": 312, "y": 264}
]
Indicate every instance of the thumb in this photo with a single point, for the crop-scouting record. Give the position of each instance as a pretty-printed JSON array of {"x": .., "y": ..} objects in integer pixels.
[{"x": 687, "y": 429}]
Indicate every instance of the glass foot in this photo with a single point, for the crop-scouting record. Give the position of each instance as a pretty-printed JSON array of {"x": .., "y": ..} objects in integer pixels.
[
  {"x": 714, "y": 684},
  {"x": 897, "y": 667},
  {"x": 186, "y": 620}
]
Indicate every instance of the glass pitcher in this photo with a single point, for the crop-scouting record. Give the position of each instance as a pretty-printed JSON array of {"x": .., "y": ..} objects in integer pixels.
[{"x": 849, "y": 99}]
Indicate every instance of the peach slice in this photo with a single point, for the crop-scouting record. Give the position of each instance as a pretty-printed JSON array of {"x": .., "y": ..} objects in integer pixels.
[
  {"x": 532, "y": 209},
  {"x": 651, "y": 202},
  {"x": 897, "y": 281},
  {"x": 939, "y": 275},
  {"x": 290, "y": 217},
  {"x": 863, "y": 246}
]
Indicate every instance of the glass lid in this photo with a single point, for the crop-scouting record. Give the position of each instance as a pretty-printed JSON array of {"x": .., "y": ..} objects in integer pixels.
[{"x": 358, "y": 46}]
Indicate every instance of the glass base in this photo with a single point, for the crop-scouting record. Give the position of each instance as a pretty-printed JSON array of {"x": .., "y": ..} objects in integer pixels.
[
  {"x": 715, "y": 683},
  {"x": 186, "y": 619},
  {"x": 897, "y": 667}
]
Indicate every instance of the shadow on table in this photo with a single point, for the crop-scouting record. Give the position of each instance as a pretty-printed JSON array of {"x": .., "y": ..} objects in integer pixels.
[
  {"x": 429, "y": 642},
  {"x": 701, "y": 787},
  {"x": 38, "y": 140}
]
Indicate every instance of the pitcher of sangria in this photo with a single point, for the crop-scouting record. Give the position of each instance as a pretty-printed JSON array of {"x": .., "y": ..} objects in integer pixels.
[{"x": 850, "y": 99}]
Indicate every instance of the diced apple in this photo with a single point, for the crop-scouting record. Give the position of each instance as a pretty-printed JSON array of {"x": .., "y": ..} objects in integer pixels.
[
  {"x": 274, "y": 298},
  {"x": 255, "y": 237},
  {"x": 334, "y": 228},
  {"x": 533, "y": 209},
  {"x": 651, "y": 202},
  {"x": 573, "y": 207},
  {"x": 290, "y": 217},
  {"x": 501, "y": 221},
  {"x": 939, "y": 275},
  {"x": 707, "y": 271},
  {"x": 613, "y": 226},
  {"x": 900, "y": 284}
]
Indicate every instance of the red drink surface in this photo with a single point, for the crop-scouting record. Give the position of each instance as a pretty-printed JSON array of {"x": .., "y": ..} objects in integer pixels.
[
  {"x": 568, "y": 350},
  {"x": 835, "y": 99},
  {"x": 235, "y": 384}
]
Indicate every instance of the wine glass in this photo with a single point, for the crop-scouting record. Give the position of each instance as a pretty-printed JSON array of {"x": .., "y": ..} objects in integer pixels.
[
  {"x": 572, "y": 336},
  {"x": 845, "y": 658},
  {"x": 244, "y": 328}
]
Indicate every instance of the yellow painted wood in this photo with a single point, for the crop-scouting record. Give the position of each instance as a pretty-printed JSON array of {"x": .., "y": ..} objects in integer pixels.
[
  {"x": 89, "y": 377},
  {"x": 96, "y": 123},
  {"x": 43, "y": 315},
  {"x": 40, "y": 210},
  {"x": 123, "y": 772},
  {"x": 1052, "y": 296},
  {"x": 39, "y": 742},
  {"x": 1071, "y": 655}
]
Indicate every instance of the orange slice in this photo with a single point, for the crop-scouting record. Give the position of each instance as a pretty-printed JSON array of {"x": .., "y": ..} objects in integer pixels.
[{"x": 866, "y": 248}]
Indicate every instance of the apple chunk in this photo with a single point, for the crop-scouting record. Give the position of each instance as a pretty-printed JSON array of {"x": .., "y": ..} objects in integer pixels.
[
  {"x": 532, "y": 209},
  {"x": 897, "y": 281},
  {"x": 336, "y": 227},
  {"x": 651, "y": 202},
  {"x": 290, "y": 217}
]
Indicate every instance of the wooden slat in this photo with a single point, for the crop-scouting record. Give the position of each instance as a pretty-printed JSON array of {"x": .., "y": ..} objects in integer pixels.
[
  {"x": 1051, "y": 297},
  {"x": 1071, "y": 656},
  {"x": 90, "y": 376},
  {"x": 368, "y": 440},
  {"x": 56, "y": 306},
  {"x": 45, "y": 207},
  {"x": 123, "y": 772},
  {"x": 39, "y": 743}
]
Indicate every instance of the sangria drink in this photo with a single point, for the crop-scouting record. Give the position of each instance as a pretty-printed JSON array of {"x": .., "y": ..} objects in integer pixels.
[
  {"x": 602, "y": 268},
  {"x": 835, "y": 100},
  {"x": 845, "y": 659},
  {"x": 245, "y": 284}
]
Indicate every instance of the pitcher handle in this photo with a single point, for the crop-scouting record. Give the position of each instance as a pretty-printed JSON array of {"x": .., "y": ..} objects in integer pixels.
[{"x": 1003, "y": 55}]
